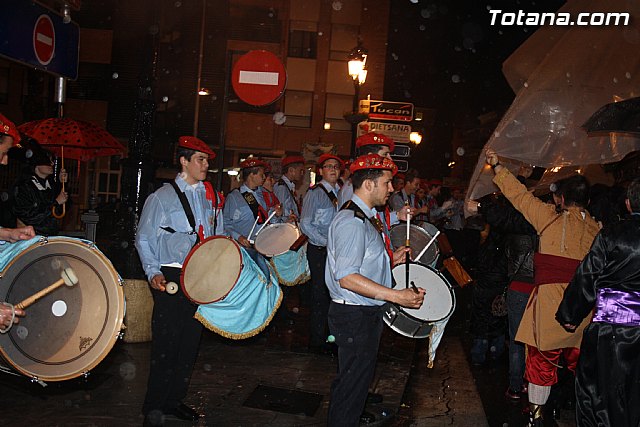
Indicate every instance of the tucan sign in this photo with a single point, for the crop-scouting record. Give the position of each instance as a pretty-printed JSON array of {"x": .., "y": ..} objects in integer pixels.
[{"x": 387, "y": 110}]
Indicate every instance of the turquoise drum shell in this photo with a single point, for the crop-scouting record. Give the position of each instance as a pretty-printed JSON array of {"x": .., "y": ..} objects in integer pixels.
[{"x": 292, "y": 267}]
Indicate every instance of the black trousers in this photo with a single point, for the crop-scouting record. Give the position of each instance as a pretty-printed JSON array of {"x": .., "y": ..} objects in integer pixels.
[
  {"x": 317, "y": 257},
  {"x": 176, "y": 337},
  {"x": 357, "y": 330}
]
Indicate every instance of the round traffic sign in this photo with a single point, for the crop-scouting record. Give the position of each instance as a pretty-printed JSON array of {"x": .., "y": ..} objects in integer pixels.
[
  {"x": 44, "y": 39},
  {"x": 259, "y": 78}
]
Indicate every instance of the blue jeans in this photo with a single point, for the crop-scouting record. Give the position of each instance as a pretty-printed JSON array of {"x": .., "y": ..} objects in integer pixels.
[{"x": 516, "y": 303}]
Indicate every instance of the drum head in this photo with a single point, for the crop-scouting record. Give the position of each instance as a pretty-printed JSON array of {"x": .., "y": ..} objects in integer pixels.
[
  {"x": 211, "y": 270},
  {"x": 419, "y": 237},
  {"x": 276, "y": 239},
  {"x": 68, "y": 332},
  {"x": 439, "y": 299}
]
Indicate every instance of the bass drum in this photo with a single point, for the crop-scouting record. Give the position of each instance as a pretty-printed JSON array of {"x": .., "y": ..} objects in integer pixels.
[{"x": 68, "y": 332}]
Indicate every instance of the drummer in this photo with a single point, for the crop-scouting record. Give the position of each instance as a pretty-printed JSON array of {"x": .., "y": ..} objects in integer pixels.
[
  {"x": 318, "y": 209},
  {"x": 9, "y": 136},
  {"x": 285, "y": 188},
  {"x": 267, "y": 189},
  {"x": 359, "y": 281},
  {"x": 167, "y": 232}
]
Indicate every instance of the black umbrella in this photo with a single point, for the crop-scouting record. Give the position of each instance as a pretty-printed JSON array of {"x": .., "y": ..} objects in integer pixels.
[{"x": 623, "y": 116}]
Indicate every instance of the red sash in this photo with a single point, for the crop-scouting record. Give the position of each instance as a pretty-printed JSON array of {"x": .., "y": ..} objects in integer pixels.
[{"x": 553, "y": 268}]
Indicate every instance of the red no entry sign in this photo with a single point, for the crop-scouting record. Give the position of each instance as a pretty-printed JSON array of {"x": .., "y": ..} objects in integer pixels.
[
  {"x": 44, "y": 39},
  {"x": 259, "y": 78}
]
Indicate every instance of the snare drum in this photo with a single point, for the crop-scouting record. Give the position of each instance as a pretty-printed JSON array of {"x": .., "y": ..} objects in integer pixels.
[
  {"x": 236, "y": 298},
  {"x": 274, "y": 241},
  {"x": 419, "y": 237},
  {"x": 439, "y": 302},
  {"x": 69, "y": 331}
]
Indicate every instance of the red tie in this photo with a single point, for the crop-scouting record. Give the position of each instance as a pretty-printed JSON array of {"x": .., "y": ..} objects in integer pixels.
[{"x": 387, "y": 241}]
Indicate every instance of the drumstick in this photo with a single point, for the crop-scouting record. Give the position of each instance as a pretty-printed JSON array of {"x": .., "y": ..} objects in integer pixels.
[
  {"x": 407, "y": 244},
  {"x": 433, "y": 239},
  {"x": 67, "y": 277},
  {"x": 252, "y": 228},
  {"x": 266, "y": 222}
]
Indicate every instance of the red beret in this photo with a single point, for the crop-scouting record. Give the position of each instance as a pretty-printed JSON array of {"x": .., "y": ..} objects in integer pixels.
[
  {"x": 254, "y": 162},
  {"x": 373, "y": 161},
  {"x": 373, "y": 138},
  {"x": 399, "y": 175},
  {"x": 7, "y": 127},
  {"x": 289, "y": 160},
  {"x": 329, "y": 156},
  {"x": 193, "y": 143}
]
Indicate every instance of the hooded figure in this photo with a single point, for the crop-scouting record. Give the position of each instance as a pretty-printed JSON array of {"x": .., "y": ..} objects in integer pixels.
[{"x": 36, "y": 193}]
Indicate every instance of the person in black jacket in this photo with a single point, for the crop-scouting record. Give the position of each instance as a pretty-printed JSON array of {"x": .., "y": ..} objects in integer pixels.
[
  {"x": 36, "y": 194},
  {"x": 488, "y": 327},
  {"x": 608, "y": 280}
]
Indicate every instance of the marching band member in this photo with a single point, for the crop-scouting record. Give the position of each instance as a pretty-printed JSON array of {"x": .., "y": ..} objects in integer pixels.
[
  {"x": 359, "y": 280},
  {"x": 285, "y": 188},
  {"x": 318, "y": 209},
  {"x": 173, "y": 220},
  {"x": 268, "y": 194},
  {"x": 8, "y": 137},
  {"x": 407, "y": 194}
]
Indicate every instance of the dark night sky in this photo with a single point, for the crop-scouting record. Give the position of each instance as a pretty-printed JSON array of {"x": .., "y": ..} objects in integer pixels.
[{"x": 445, "y": 55}]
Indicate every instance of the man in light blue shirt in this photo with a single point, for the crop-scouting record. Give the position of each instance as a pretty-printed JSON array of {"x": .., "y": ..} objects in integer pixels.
[
  {"x": 167, "y": 232},
  {"x": 285, "y": 188},
  {"x": 358, "y": 276},
  {"x": 318, "y": 209}
]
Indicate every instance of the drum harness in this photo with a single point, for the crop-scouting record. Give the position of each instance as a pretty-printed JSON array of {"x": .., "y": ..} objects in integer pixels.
[{"x": 189, "y": 213}]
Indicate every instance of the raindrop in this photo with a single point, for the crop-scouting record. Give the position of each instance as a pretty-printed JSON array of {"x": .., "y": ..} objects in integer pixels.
[
  {"x": 178, "y": 4},
  {"x": 526, "y": 84},
  {"x": 154, "y": 29},
  {"x": 214, "y": 98},
  {"x": 455, "y": 78},
  {"x": 627, "y": 75},
  {"x": 394, "y": 56},
  {"x": 568, "y": 75},
  {"x": 165, "y": 98},
  {"x": 500, "y": 32},
  {"x": 447, "y": 155},
  {"x": 350, "y": 340},
  {"x": 336, "y": 5},
  {"x": 319, "y": 33},
  {"x": 460, "y": 151},
  {"x": 331, "y": 338},
  {"x": 615, "y": 80},
  {"x": 207, "y": 367},
  {"x": 4, "y": 196},
  {"x": 457, "y": 48},
  {"x": 114, "y": 75},
  {"x": 425, "y": 13},
  {"x": 295, "y": 310},
  {"x": 414, "y": 1},
  {"x": 422, "y": 27},
  {"x": 299, "y": 384}
]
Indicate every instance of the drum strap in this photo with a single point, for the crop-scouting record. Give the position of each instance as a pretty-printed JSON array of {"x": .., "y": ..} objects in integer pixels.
[
  {"x": 331, "y": 195},
  {"x": 293, "y": 194},
  {"x": 254, "y": 205},
  {"x": 375, "y": 221},
  {"x": 187, "y": 210}
]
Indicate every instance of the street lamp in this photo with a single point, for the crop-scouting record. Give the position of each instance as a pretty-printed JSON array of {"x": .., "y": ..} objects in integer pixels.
[{"x": 358, "y": 72}]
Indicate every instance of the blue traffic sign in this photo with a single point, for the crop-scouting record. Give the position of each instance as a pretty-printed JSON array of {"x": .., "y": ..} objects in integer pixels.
[{"x": 38, "y": 37}]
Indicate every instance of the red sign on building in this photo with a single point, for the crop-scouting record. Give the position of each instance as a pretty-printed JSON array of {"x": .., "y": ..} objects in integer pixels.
[
  {"x": 44, "y": 39},
  {"x": 259, "y": 78}
]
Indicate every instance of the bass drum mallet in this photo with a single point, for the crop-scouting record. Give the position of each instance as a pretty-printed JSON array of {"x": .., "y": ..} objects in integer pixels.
[{"x": 67, "y": 277}]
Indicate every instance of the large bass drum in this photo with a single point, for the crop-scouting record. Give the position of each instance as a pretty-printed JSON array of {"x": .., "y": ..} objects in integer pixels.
[{"x": 69, "y": 331}]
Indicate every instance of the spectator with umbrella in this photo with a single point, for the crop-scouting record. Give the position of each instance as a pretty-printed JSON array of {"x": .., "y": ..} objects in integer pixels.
[{"x": 36, "y": 196}]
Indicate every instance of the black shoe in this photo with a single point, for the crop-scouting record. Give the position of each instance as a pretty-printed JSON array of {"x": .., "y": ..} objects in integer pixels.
[
  {"x": 374, "y": 398},
  {"x": 183, "y": 412},
  {"x": 367, "y": 418}
]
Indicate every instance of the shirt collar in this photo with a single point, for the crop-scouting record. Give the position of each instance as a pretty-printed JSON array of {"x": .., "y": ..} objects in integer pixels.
[
  {"x": 183, "y": 186},
  {"x": 369, "y": 212},
  {"x": 290, "y": 184},
  {"x": 244, "y": 188},
  {"x": 329, "y": 187}
]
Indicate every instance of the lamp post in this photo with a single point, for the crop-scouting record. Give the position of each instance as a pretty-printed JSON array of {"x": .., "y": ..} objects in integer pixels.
[{"x": 358, "y": 72}]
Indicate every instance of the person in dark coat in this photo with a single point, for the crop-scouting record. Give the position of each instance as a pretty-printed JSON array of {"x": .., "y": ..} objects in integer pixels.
[
  {"x": 608, "y": 280},
  {"x": 36, "y": 194},
  {"x": 488, "y": 327}
]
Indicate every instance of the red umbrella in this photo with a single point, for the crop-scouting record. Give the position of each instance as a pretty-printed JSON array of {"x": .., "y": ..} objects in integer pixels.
[{"x": 81, "y": 140}]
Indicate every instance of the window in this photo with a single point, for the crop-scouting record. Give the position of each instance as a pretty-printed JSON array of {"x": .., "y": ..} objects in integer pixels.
[
  {"x": 303, "y": 44},
  {"x": 297, "y": 108},
  {"x": 107, "y": 183},
  {"x": 337, "y": 107}
]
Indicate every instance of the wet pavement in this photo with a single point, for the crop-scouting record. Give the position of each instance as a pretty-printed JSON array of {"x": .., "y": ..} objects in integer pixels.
[{"x": 272, "y": 380}]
